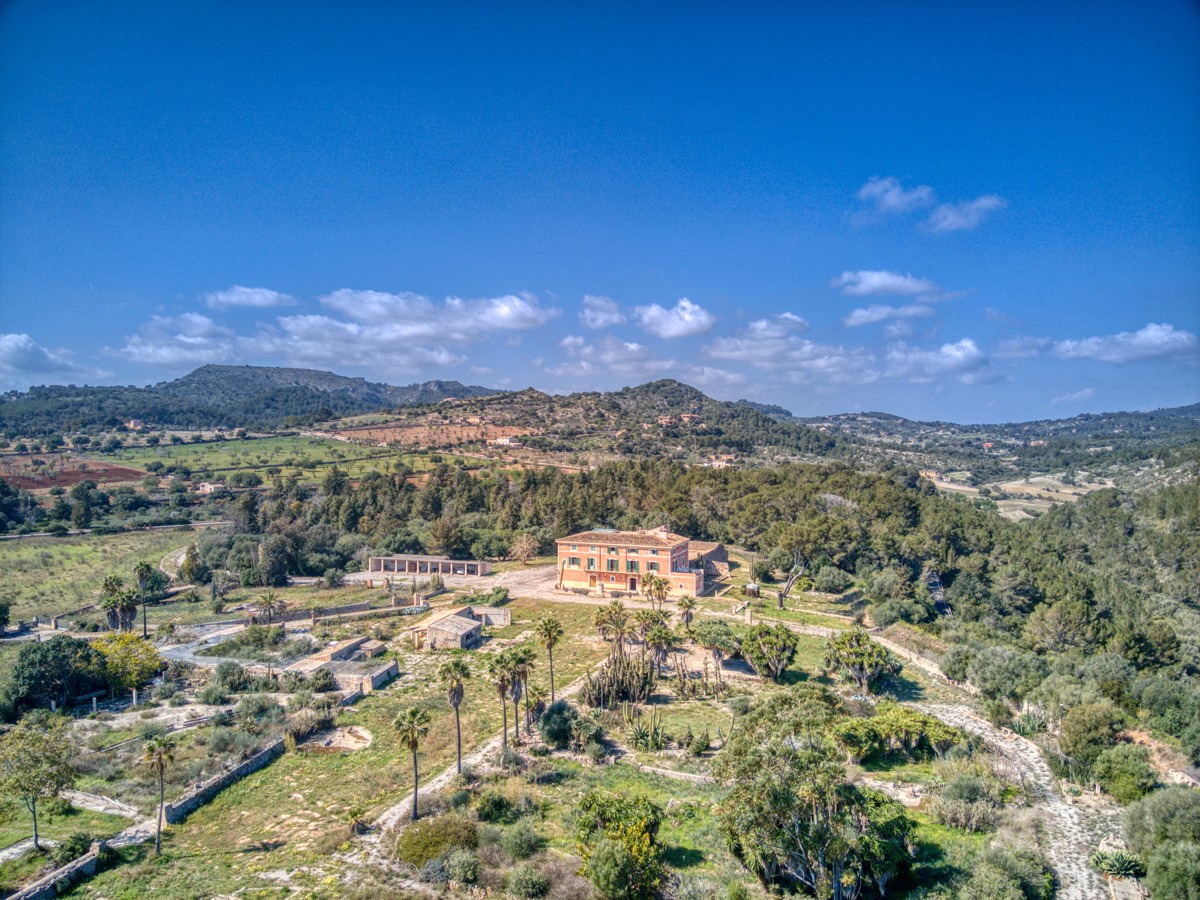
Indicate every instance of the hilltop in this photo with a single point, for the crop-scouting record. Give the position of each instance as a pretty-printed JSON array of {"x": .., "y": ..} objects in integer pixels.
[{"x": 218, "y": 396}]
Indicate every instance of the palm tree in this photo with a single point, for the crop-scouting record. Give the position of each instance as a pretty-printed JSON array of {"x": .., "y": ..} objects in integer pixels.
[
  {"x": 661, "y": 640},
  {"x": 1118, "y": 865},
  {"x": 612, "y": 622},
  {"x": 687, "y": 609},
  {"x": 158, "y": 753},
  {"x": 270, "y": 604},
  {"x": 549, "y": 631},
  {"x": 522, "y": 662},
  {"x": 120, "y": 609},
  {"x": 535, "y": 703},
  {"x": 656, "y": 588},
  {"x": 499, "y": 668},
  {"x": 645, "y": 619},
  {"x": 453, "y": 673},
  {"x": 110, "y": 592},
  {"x": 142, "y": 572},
  {"x": 412, "y": 725}
]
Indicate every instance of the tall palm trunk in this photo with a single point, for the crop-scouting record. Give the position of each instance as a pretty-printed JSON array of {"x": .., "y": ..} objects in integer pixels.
[
  {"x": 458, "y": 737},
  {"x": 504, "y": 729},
  {"x": 414, "y": 799},
  {"x": 161, "y": 803},
  {"x": 33, "y": 810},
  {"x": 550, "y": 652}
]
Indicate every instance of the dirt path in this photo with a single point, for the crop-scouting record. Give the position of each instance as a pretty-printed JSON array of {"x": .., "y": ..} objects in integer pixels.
[
  {"x": 1074, "y": 829},
  {"x": 170, "y": 563},
  {"x": 396, "y": 814}
]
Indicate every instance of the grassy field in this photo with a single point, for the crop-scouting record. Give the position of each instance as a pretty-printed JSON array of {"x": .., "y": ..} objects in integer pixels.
[
  {"x": 15, "y": 824},
  {"x": 45, "y": 576},
  {"x": 283, "y": 455}
]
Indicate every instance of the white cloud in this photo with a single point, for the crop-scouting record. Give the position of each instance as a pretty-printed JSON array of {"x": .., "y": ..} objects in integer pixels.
[
  {"x": 325, "y": 342},
  {"x": 190, "y": 339},
  {"x": 710, "y": 377},
  {"x": 1020, "y": 347},
  {"x": 888, "y": 196},
  {"x": 601, "y": 312},
  {"x": 409, "y": 316},
  {"x": 24, "y": 361},
  {"x": 1073, "y": 397},
  {"x": 259, "y": 298},
  {"x": 388, "y": 333},
  {"x": 1154, "y": 341},
  {"x": 866, "y": 282},
  {"x": 685, "y": 319},
  {"x": 877, "y": 313},
  {"x": 966, "y": 214},
  {"x": 610, "y": 355},
  {"x": 963, "y": 359},
  {"x": 776, "y": 345}
]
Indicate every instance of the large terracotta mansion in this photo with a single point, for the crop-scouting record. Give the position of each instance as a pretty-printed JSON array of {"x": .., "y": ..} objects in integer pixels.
[{"x": 604, "y": 560}]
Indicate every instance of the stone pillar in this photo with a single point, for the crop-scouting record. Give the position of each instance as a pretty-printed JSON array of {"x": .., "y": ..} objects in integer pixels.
[
  {"x": 135, "y": 697},
  {"x": 94, "y": 706}
]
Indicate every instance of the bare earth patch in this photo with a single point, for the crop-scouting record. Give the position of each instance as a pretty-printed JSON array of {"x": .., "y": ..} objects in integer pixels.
[{"x": 339, "y": 740}]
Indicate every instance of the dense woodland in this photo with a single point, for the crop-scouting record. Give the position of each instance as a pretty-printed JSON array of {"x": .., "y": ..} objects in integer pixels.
[{"x": 215, "y": 396}]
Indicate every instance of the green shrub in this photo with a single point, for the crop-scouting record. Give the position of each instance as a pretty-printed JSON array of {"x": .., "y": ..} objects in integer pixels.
[
  {"x": 321, "y": 681},
  {"x": 524, "y": 880},
  {"x": 612, "y": 870},
  {"x": 463, "y": 867},
  {"x": 426, "y": 839},
  {"x": 493, "y": 806},
  {"x": 556, "y": 724},
  {"x": 522, "y": 841},
  {"x": 998, "y": 713},
  {"x": 71, "y": 848},
  {"x": 212, "y": 695},
  {"x": 230, "y": 675},
  {"x": 1125, "y": 772},
  {"x": 435, "y": 871},
  {"x": 1173, "y": 871}
]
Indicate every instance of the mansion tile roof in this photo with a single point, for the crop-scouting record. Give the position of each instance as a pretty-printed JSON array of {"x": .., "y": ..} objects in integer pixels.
[{"x": 654, "y": 538}]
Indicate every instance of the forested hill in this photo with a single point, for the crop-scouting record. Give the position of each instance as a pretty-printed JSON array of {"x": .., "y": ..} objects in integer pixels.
[
  {"x": 661, "y": 418},
  {"x": 228, "y": 396},
  {"x": 1093, "y": 441}
]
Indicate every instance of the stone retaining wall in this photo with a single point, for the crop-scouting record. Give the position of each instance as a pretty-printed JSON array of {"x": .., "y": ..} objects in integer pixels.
[
  {"x": 174, "y": 812},
  {"x": 48, "y": 886}
]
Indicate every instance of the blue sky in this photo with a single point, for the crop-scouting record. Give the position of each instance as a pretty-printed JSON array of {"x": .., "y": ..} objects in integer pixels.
[{"x": 971, "y": 212}]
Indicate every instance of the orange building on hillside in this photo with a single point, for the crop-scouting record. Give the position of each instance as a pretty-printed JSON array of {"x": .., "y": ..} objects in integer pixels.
[{"x": 605, "y": 561}]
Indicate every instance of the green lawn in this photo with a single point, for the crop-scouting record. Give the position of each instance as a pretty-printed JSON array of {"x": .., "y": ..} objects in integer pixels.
[
  {"x": 15, "y": 824},
  {"x": 45, "y": 576}
]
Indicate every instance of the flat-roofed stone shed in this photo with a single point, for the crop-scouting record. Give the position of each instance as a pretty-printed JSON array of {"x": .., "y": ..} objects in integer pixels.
[{"x": 417, "y": 564}]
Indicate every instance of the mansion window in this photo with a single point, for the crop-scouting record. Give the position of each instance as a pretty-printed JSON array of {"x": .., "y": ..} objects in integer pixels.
[
  {"x": 591, "y": 563},
  {"x": 614, "y": 566},
  {"x": 573, "y": 562},
  {"x": 631, "y": 566}
]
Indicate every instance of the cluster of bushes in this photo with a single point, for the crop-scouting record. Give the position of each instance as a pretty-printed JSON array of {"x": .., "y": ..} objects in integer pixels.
[
  {"x": 1163, "y": 829},
  {"x": 262, "y": 643},
  {"x": 892, "y": 728},
  {"x": 488, "y": 839}
]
